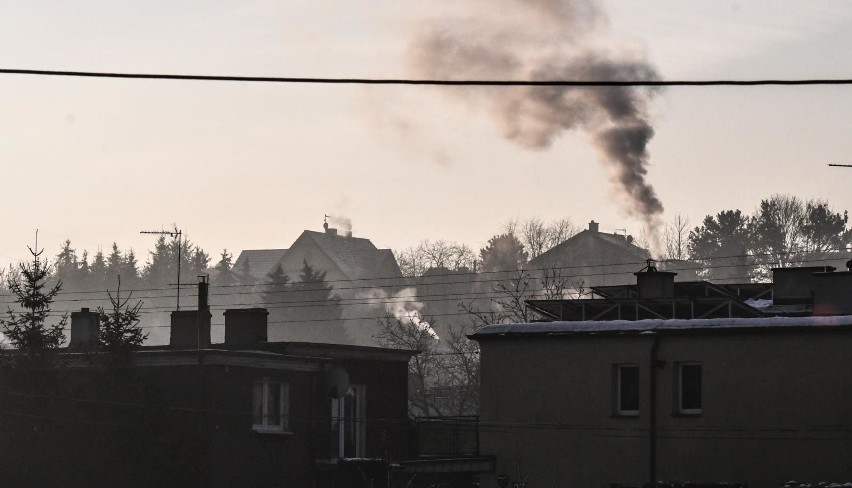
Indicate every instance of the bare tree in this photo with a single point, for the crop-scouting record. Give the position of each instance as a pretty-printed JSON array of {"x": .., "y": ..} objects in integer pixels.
[
  {"x": 676, "y": 238},
  {"x": 440, "y": 254},
  {"x": 560, "y": 231},
  {"x": 423, "y": 369},
  {"x": 535, "y": 237}
]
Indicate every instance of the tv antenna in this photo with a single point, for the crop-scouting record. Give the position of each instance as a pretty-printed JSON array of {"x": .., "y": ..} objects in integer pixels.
[{"x": 171, "y": 233}]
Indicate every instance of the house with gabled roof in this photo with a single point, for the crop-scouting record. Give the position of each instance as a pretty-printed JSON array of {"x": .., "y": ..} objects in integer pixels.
[
  {"x": 352, "y": 266},
  {"x": 257, "y": 263},
  {"x": 595, "y": 258}
]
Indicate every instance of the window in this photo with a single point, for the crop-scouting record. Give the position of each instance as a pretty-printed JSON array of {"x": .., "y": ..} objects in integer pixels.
[
  {"x": 689, "y": 399},
  {"x": 348, "y": 419},
  {"x": 627, "y": 390},
  {"x": 271, "y": 402}
]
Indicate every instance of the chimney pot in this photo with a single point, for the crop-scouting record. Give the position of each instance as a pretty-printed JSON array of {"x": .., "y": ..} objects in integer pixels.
[
  {"x": 190, "y": 329},
  {"x": 245, "y": 326},
  {"x": 85, "y": 329}
]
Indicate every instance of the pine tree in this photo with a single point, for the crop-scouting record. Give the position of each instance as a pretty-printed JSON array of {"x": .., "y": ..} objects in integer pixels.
[
  {"x": 28, "y": 330},
  {"x": 114, "y": 262},
  {"x": 276, "y": 288},
  {"x": 224, "y": 275},
  {"x": 244, "y": 276},
  {"x": 503, "y": 253},
  {"x": 98, "y": 274},
  {"x": 313, "y": 311},
  {"x": 67, "y": 267},
  {"x": 119, "y": 328},
  {"x": 130, "y": 269}
]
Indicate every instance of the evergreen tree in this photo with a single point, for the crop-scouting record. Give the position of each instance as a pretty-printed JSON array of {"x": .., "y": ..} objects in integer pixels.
[
  {"x": 114, "y": 263},
  {"x": 504, "y": 252},
  {"x": 84, "y": 272},
  {"x": 119, "y": 328},
  {"x": 130, "y": 270},
  {"x": 159, "y": 270},
  {"x": 312, "y": 311},
  {"x": 276, "y": 290},
  {"x": 722, "y": 243},
  {"x": 98, "y": 273},
  {"x": 67, "y": 267},
  {"x": 243, "y": 275},
  {"x": 224, "y": 276},
  {"x": 28, "y": 330}
]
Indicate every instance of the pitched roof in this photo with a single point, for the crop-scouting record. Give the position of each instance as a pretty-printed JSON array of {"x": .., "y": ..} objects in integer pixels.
[
  {"x": 356, "y": 257},
  {"x": 261, "y": 261},
  {"x": 614, "y": 244}
]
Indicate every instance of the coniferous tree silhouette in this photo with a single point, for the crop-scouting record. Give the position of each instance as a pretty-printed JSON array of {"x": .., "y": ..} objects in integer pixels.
[{"x": 28, "y": 329}]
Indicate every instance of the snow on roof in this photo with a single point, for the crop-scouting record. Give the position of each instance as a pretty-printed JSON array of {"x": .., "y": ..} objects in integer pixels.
[{"x": 638, "y": 326}]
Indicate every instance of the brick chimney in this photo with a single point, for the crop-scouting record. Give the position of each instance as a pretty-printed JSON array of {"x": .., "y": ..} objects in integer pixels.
[
  {"x": 190, "y": 329},
  {"x": 593, "y": 226},
  {"x": 655, "y": 284},
  {"x": 245, "y": 326},
  {"x": 85, "y": 329}
]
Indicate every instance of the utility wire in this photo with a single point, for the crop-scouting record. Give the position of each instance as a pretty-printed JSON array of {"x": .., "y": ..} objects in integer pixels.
[
  {"x": 413, "y": 281},
  {"x": 431, "y": 82}
]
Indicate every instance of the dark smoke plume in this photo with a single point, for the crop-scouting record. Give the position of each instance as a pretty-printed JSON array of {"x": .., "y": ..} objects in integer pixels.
[{"x": 551, "y": 40}]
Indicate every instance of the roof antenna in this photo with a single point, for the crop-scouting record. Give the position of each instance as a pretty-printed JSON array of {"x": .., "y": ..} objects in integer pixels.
[{"x": 650, "y": 266}]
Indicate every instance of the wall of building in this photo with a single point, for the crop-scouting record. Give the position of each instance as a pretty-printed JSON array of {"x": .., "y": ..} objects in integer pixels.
[
  {"x": 775, "y": 408},
  {"x": 547, "y": 412}
]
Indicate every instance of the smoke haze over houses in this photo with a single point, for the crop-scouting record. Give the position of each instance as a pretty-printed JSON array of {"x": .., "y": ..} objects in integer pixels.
[
  {"x": 250, "y": 166},
  {"x": 563, "y": 48}
]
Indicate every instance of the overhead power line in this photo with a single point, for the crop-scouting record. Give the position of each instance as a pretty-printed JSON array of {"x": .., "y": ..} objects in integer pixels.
[{"x": 432, "y": 82}]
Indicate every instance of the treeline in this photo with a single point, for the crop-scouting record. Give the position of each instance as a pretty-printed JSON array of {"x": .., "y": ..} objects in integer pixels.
[
  {"x": 80, "y": 272},
  {"x": 783, "y": 231}
]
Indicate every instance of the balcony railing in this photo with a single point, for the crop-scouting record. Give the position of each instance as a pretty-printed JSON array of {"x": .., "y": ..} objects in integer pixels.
[{"x": 447, "y": 436}]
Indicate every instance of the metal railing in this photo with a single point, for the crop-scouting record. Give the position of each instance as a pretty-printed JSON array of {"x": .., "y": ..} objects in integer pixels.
[{"x": 447, "y": 436}]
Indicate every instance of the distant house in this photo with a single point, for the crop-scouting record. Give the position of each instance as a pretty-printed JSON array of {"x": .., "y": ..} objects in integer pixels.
[
  {"x": 353, "y": 266},
  {"x": 258, "y": 262},
  {"x": 245, "y": 412},
  {"x": 595, "y": 258},
  {"x": 679, "y": 382}
]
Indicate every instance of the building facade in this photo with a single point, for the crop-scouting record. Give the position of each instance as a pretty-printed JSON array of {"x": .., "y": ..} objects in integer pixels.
[{"x": 757, "y": 393}]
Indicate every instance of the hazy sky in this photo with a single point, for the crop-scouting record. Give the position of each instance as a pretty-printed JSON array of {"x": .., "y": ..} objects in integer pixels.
[{"x": 246, "y": 166}]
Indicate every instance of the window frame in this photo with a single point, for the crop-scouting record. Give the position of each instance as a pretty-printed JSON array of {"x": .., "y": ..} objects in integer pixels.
[
  {"x": 679, "y": 408},
  {"x": 617, "y": 407},
  {"x": 267, "y": 384},
  {"x": 340, "y": 420}
]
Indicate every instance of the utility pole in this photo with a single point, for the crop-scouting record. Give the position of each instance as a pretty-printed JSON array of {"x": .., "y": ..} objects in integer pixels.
[{"x": 175, "y": 233}]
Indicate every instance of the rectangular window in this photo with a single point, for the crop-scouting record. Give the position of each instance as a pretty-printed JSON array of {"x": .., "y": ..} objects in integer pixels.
[
  {"x": 689, "y": 399},
  {"x": 348, "y": 423},
  {"x": 271, "y": 406},
  {"x": 627, "y": 390}
]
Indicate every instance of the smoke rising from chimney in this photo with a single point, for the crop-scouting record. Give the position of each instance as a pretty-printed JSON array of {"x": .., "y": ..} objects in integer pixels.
[
  {"x": 551, "y": 40},
  {"x": 342, "y": 223},
  {"x": 401, "y": 306}
]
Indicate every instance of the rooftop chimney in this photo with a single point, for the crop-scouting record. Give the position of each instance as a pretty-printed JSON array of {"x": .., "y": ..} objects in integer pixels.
[
  {"x": 245, "y": 326},
  {"x": 653, "y": 283},
  {"x": 832, "y": 293},
  {"x": 593, "y": 226},
  {"x": 85, "y": 329},
  {"x": 331, "y": 231},
  {"x": 203, "y": 292},
  {"x": 190, "y": 329},
  {"x": 795, "y": 285}
]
